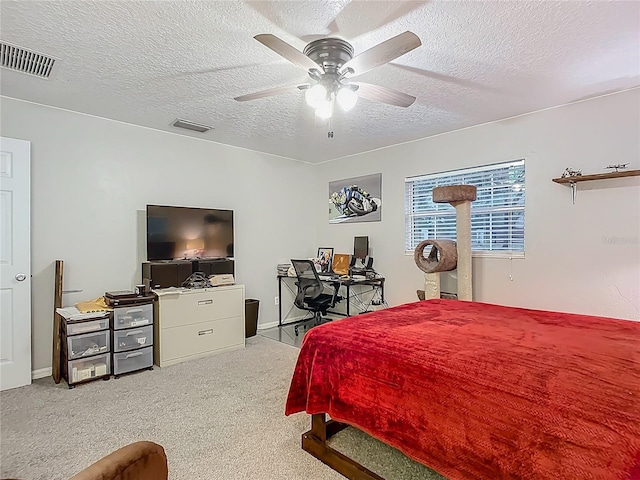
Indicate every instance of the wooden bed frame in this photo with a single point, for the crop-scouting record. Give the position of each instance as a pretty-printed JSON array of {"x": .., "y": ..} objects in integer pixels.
[{"x": 315, "y": 442}]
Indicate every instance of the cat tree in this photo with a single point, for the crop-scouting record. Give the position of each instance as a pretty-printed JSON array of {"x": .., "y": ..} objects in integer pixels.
[{"x": 447, "y": 255}]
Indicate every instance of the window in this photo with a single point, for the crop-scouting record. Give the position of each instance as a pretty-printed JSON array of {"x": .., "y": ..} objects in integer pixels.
[{"x": 497, "y": 216}]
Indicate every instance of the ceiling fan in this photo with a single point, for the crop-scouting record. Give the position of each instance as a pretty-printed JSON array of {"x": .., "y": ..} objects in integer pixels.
[{"x": 331, "y": 65}]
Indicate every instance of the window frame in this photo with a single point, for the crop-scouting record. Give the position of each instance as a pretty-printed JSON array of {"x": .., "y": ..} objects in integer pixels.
[{"x": 410, "y": 216}]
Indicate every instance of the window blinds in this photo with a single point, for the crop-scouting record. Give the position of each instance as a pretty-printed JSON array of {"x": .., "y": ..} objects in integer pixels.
[{"x": 497, "y": 216}]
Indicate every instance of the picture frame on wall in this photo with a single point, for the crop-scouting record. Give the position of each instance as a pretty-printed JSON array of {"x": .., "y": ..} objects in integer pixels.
[
  {"x": 324, "y": 259},
  {"x": 356, "y": 199}
]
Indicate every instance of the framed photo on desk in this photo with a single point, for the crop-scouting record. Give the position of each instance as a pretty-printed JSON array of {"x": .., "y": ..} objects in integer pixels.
[{"x": 325, "y": 259}]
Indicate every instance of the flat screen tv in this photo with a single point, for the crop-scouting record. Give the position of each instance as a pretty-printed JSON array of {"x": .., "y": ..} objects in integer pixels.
[{"x": 185, "y": 233}]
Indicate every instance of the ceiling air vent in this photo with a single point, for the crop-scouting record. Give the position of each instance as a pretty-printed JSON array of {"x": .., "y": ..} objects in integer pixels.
[
  {"x": 196, "y": 127},
  {"x": 26, "y": 61}
]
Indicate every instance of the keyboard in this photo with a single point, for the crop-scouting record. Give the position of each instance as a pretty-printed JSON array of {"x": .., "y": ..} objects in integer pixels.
[{"x": 326, "y": 276}]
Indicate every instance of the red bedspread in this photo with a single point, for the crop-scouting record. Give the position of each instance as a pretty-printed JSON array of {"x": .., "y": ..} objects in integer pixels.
[{"x": 478, "y": 391}]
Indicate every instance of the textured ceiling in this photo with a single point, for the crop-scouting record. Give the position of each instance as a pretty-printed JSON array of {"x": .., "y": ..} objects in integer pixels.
[{"x": 148, "y": 63}]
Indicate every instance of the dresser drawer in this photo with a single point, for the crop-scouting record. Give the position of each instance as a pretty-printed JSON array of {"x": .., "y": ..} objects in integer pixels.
[
  {"x": 188, "y": 308},
  {"x": 86, "y": 327},
  {"x": 126, "y": 362},
  {"x": 88, "y": 344},
  {"x": 132, "y": 316},
  {"x": 201, "y": 337},
  {"x": 132, "y": 338},
  {"x": 88, "y": 368}
]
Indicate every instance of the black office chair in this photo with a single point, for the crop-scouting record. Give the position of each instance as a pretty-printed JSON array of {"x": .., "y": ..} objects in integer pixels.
[{"x": 310, "y": 294}]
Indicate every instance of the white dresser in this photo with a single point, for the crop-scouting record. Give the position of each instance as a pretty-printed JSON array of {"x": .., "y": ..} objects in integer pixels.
[{"x": 195, "y": 323}]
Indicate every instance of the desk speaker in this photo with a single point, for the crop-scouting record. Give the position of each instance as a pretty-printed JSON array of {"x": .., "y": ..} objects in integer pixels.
[{"x": 163, "y": 275}]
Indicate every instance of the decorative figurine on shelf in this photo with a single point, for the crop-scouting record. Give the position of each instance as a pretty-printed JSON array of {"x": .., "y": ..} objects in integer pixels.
[
  {"x": 618, "y": 166},
  {"x": 569, "y": 172}
]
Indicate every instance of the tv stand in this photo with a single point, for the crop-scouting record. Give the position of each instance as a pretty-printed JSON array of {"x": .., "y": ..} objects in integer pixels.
[
  {"x": 213, "y": 266},
  {"x": 164, "y": 274}
]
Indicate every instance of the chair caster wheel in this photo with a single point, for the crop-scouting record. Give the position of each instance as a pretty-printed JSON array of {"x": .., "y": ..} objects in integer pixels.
[{"x": 296, "y": 330}]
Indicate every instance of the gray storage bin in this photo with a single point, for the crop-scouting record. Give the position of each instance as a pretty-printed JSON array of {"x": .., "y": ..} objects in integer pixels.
[
  {"x": 88, "y": 368},
  {"x": 88, "y": 344},
  {"x": 86, "y": 327},
  {"x": 132, "y": 338},
  {"x": 126, "y": 362},
  {"x": 132, "y": 316}
]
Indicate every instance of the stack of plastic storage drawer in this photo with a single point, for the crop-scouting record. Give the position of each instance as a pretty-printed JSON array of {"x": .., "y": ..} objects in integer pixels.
[
  {"x": 132, "y": 329},
  {"x": 86, "y": 350}
]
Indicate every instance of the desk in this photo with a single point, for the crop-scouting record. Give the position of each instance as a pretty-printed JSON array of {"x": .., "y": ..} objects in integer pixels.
[{"x": 375, "y": 284}]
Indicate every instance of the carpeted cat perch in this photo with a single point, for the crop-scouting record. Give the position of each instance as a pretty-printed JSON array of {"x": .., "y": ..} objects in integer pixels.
[{"x": 447, "y": 255}]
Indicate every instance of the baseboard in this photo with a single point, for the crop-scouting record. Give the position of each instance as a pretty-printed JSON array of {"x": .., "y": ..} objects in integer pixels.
[
  {"x": 264, "y": 326},
  {"x": 40, "y": 373}
]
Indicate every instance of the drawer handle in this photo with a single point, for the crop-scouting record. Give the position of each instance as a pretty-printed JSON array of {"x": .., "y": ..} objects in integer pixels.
[
  {"x": 205, "y": 302},
  {"x": 135, "y": 332},
  {"x": 131, "y": 355},
  {"x": 206, "y": 332},
  {"x": 134, "y": 310}
]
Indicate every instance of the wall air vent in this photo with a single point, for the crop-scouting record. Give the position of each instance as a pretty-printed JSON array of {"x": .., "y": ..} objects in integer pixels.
[
  {"x": 196, "y": 127},
  {"x": 26, "y": 61}
]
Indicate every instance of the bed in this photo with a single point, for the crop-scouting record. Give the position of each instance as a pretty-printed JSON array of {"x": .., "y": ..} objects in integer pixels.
[{"x": 477, "y": 391}]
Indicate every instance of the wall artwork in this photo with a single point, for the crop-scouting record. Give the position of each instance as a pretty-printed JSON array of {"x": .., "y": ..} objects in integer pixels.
[{"x": 357, "y": 199}]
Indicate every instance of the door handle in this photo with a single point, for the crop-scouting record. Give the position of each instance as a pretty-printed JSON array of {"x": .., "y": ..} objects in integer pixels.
[{"x": 21, "y": 277}]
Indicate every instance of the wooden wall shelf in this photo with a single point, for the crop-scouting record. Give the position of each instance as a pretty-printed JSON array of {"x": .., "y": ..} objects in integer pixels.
[
  {"x": 572, "y": 181},
  {"x": 598, "y": 176}
]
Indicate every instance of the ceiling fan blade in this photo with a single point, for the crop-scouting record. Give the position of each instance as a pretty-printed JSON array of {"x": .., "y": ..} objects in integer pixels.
[
  {"x": 270, "y": 92},
  {"x": 376, "y": 93},
  {"x": 285, "y": 50},
  {"x": 382, "y": 53}
]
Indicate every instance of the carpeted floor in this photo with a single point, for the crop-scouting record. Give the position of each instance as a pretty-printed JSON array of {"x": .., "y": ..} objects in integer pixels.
[{"x": 218, "y": 418}]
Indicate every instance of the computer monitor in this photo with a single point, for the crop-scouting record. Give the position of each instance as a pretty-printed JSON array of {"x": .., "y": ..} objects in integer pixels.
[{"x": 361, "y": 247}]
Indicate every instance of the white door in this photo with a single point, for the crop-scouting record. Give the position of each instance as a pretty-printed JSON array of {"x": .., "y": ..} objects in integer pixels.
[{"x": 15, "y": 263}]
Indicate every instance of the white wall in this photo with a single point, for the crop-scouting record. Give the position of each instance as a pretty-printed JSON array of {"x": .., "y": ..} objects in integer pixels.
[
  {"x": 582, "y": 258},
  {"x": 92, "y": 179}
]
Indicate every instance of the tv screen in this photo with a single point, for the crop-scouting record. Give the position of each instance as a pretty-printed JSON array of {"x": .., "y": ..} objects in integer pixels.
[{"x": 183, "y": 233}]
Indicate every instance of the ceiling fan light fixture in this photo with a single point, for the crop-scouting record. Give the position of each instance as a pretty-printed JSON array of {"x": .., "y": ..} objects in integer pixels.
[
  {"x": 316, "y": 95},
  {"x": 346, "y": 98},
  {"x": 325, "y": 110}
]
